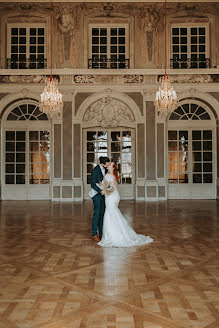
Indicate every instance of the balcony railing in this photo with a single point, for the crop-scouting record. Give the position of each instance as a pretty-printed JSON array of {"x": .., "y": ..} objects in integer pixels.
[
  {"x": 108, "y": 64},
  {"x": 189, "y": 63},
  {"x": 26, "y": 64}
]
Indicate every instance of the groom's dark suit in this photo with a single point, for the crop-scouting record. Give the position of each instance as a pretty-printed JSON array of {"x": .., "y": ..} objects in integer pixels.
[{"x": 98, "y": 200}]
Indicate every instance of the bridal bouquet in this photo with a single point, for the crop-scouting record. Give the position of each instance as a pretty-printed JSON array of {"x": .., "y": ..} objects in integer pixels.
[{"x": 107, "y": 187}]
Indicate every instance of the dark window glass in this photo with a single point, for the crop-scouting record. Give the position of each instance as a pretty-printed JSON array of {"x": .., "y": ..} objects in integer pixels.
[
  {"x": 207, "y": 178},
  {"x": 33, "y": 31},
  {"x": 20, "y": 179},
  {"x": 10, "y": 157},
  {"x": 22, "y": 31},
  {"x": 14, "y": 31},
  {"x": 207, "y": 135},
  {"x": 207, "y": 156},
  {"x": 95, "y": 31},
  {"x": 197, "y": 178},
  {"x": 41, "y": 31},
  {"x": 193, "y": 31},
  {"x": 9, "y": 179},
  {"x": 196, "y": 145},
  {"x": 196, "y": 135},
  {"x": 10, "y": 135},
  {"x": 175, "y": 31},
  {"x": 207, "y": 145},
  {"x": 197, "y": 156},
  {"x": 20, "y": 135}
]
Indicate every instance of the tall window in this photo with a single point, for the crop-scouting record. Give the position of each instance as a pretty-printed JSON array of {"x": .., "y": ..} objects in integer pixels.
[
  {"x": 27, "y": 151},
  {"x": 117, "y": 145},
  {"x": 108, "y": 46},
  {"x": 190, "y": 149},
  {"x": 189, "y": 47},
  {"x": 26, "y": 47}
]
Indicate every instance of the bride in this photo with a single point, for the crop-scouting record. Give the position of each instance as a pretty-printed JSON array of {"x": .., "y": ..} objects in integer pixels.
[{"x": 116, "y": 230}]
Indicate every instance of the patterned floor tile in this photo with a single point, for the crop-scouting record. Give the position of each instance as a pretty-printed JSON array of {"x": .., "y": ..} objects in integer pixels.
[
  {"x": 207, "y": 275},
  {"x": 55, "y": 260},
  {"x": 179, "y": 302},
  {"x": 110, "y": 279},
  {"x": 162, "y": 262},
  {"x": 115, "y": 317},
  {"x": 40, "y": 302},
  {"x": 52, "y": 275}
]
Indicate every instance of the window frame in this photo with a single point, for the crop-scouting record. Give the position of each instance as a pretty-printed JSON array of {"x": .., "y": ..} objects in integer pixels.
[
  {"x": 27, "y": 26},
  {"x": 125, "y": 25},
  {"x": 189, "y": 25}
]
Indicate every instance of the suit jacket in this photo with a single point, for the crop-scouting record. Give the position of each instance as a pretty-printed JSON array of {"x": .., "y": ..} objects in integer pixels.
[{"x": 96, "y": 177}]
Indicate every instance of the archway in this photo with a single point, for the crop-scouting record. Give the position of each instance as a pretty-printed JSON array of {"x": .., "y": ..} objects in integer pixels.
[
  {"x": 191, "y": 163},
  {"x": 26, "y": 152},
  {"x": 109, "y": 128}
]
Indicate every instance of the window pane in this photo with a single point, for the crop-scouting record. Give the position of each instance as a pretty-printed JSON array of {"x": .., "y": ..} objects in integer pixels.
[
  {"x": 9, "y": 179},
  {"x": 20, "y": 179},
  {"x": 207, "y": 135},
  {"x": 172, "y": 135},
  {"x": 207, "y": 156},
  {"x": 197, "y": 178},
  {"x": 207, "y": 178},
  {"x": 207, "y": 145}
]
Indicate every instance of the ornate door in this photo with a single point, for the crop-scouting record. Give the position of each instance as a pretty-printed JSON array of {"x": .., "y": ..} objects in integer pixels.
[{"x": 119, "y": 145}]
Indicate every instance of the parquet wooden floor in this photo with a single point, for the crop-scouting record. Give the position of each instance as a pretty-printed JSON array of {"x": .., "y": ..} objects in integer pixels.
[{"x": 52, "y": 275}]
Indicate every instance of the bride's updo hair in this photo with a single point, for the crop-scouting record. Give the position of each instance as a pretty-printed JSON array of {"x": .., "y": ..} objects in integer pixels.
[{"x": 115, "y": 171}]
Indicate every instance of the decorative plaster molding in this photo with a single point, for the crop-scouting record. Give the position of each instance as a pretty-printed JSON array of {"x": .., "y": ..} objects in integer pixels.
[
  {"x": 22, "y": 79},
  {"x": 108, "y": 112},
  {"x": 196, "y": 78},
  {"x": 151, "y": 19},
  {"x": 117, "y": 79},
  {"x": 65, "y": 17}
]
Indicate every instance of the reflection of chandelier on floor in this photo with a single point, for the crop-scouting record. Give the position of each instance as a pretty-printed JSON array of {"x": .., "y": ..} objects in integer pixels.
[
  {"x": 51, "y": 99},
  {"x": 166, "y": 99}
]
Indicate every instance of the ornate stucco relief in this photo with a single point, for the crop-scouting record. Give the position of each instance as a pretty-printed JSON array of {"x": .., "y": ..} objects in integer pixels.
[{"x": 108, "y": 112}]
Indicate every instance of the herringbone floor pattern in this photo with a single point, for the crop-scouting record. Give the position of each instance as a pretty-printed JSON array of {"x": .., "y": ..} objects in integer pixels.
[{"x": 52, "y": 275}]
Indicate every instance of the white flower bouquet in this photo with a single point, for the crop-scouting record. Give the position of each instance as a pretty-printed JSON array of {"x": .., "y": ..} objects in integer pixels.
[{"x": 107, "y": 187}]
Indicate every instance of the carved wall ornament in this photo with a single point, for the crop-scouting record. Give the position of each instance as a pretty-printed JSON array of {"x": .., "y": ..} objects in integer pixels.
[
  {"x": 65, "y": 19},
  {"x": 108, "y": 7},
  {"x": 110, "y": 79},
  {"x": 84, "y": 78},
  {"x": 22, "y": 79},
  {"x": 108, "y": 112},
  {"x": 188, "y": 10},
  {"x": 133, "y": 78},
  {"x": 196, "y": 78},
  {"x": 151, "y": 19}
]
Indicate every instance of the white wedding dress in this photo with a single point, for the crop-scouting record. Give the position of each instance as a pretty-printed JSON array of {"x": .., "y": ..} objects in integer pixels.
[{"x": 116, "y": 230}]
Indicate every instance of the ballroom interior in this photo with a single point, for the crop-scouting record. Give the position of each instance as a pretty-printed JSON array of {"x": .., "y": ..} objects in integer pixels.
[{"x": 108, "y": 61}]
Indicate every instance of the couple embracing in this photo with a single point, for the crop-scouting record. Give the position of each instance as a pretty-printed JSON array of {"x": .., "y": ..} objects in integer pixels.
[{"x": 113, "y": 228}]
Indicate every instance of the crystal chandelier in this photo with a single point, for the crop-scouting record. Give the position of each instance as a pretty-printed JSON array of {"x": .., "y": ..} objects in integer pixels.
[
  {"x": 51, "y": 99},
  {"x": 166, "y": 98}
]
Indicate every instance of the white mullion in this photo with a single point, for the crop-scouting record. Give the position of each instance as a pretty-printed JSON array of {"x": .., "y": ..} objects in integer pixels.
[
  {"x": 189, "y": 52},
  {"x": 108, "y": 42},
  {"x": 27, "y": 42}
]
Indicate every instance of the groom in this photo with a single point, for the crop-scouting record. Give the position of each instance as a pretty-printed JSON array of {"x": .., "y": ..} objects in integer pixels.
[{"x": 98, "y": 200}]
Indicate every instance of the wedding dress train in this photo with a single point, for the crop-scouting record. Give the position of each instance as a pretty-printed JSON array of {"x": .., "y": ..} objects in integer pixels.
[{"x": 116, "y": 230}]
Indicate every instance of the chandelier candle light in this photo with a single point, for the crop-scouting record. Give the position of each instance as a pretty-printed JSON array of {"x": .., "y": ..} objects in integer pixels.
[
  {"x": 166, "y": 99},
  {"x": 51, "y": 99}
]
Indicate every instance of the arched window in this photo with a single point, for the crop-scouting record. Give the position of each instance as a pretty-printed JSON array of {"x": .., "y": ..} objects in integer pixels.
[
  {"x": 191, "y": 151},
  {"x": 26, "y": 112},
  {"x": 190, "y": 112}
]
